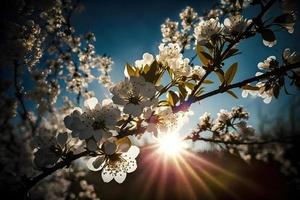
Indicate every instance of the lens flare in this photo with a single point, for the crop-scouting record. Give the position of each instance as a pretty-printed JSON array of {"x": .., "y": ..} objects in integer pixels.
[{"x": 171, "y": 144}]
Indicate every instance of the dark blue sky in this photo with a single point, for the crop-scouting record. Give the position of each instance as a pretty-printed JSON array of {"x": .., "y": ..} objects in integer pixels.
[{"x": 127, "y": 29}]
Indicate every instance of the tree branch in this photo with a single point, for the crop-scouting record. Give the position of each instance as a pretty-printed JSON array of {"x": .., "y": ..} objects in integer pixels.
[
  {"x": 29, "y": 183},
  {"x": 19, "y": 96},
  {"x": 279, "y": 71},
  {"x": 289, "y": 139}
]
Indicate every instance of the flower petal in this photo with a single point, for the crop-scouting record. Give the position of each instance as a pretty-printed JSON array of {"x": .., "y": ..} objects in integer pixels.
[
  {"x": 135, "y": 110},
  {"x": 62, "y": 138},
  {"x": 90, "y": 103},
  {"x": 110, "y": 148},
  {"x": 120, "y": 176},
  {"x": 91, "y": 145},
  {"x": 106, "y": 175},
  {"x": 131, "y": 166},
  {"x": 93, "y": 166},
  {"x": 133, "y": 152}
]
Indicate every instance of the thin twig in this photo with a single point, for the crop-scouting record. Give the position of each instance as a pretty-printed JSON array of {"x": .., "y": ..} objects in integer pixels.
[
  {"x": 289, "y": 139},
  {"x": 19, "y": 96}
]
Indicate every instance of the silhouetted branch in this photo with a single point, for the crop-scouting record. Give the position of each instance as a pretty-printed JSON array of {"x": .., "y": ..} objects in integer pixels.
[
  {"x": 19, "y": 96},
  {"x": 29, "y": 183},
  {"x": 288, "y": 139}
]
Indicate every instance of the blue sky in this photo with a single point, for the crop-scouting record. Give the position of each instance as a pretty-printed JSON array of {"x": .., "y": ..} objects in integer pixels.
[{"x": 126, "y": 29}]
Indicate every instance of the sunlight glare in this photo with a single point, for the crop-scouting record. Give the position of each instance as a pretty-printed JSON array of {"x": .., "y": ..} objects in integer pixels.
[{"x": 171, "y": 144}]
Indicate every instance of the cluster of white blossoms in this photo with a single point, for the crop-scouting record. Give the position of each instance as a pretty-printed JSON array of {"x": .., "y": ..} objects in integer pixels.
[
  {"x": 226, "y": 118},
  {"x": 235, "y": 24},
  {"x": 95, "y": 123},
  {"x": 291, "y": 58},
  {"x": 134, "y": 94},
  {"x": 188, "y": 16},
  {"x": 229, "y": 126},
  {"x": 48, "y": 149},
  {"x": 115, "y": 160},
  {"x": 170, "y": 32},
  {"x": 268, "y": 64},
  {"x": 205, "y": 122},
  {"x": 287, "y": 21},
  {"x": 105, "y": 65},
  {"x": 160, "y": 120},
  {"x": 171, "y": 56},
  {"x": 206, "y": 30},
  {"x": 265, "y": 89}
]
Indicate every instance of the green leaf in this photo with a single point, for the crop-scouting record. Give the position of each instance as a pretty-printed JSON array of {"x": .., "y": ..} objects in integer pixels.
[
  {"x": 231, "y": 52},
  {"x": 163, "y": 103},
  {"x": 250, "y": 87},
  {"x": 150, "y": 75},
  {"x": 232, "y": 94},
  {"x": 220, "y": 74},
  {"x": 209, "y": 46},
  {"x": 200, "y": 50},
  {"x": 172, "y": 98},
  {"x": 206, "y": 55},
  {"x": 130, "y": 70},
  {"x": 200, "y": 91},
  {"x": 158, "y": 78},
  {"x": 146, "y": 69},
  {"x": 182, "y": 92},
  {"x": 171, "y": 74},
  {"x": 230, "y": 73},
  {"x": 207, "y": 81},
  {"x": 190, "y": 85}
]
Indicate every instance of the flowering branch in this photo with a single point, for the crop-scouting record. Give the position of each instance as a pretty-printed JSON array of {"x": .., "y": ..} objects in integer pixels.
[
  {"x": 280, "y": 71},
  {"x": 233, "y": 43},
  {"x": 288, "y": 139}
]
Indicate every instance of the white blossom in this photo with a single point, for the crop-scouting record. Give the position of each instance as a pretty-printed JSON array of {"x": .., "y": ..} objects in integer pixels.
[
  {"x": 235, "y": 24},
  {"x": 270, "y": 62},
  {"x": 207, "y": 30},
  {"x": 115, "y": 162},
  {"x": 134, "y": 94},
  {"x": 147, "y": 60},
  {"x": 96, "y": 121},
  {"x": 170, "y": 32},
  {"x": 188, "y": 16}
]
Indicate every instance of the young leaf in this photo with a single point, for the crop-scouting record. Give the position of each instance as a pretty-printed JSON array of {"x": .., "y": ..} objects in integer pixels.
[
  {"x": 231, "y": 52},
  {"x": 172, "y": 98},
  {"x": 129, "y": 70},
  {"x": 250, "y": 87},
  {"x": 220, "y": 74},
  {"x": 200, "y": 50},
  {"x": 207, "y": 81},
  {"x": 232, "y": 94},
  {"x": 190, "y": 85},
  {"x": 150, "y": 75},
  {"x": 230, "y": 73}
]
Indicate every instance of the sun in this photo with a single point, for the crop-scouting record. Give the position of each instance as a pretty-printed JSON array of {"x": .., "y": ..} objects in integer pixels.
[{"x": 171, "y": 144}]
